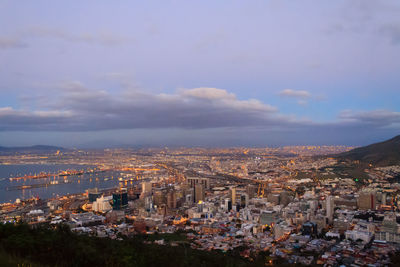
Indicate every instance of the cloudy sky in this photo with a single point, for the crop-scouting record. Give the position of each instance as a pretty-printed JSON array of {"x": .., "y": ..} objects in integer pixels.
[{"x": 199, "y": 73}]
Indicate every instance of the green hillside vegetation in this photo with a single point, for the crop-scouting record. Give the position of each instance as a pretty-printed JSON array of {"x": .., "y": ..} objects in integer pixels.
[{"x": 24, "y": 246}]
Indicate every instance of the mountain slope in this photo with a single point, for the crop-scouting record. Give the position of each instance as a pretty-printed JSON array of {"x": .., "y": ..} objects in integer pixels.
[
  {"x": 379, "y": 154},
  {"x": 30, "y": 149}
]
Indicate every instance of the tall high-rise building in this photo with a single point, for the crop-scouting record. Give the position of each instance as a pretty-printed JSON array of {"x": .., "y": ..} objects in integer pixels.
[
  {"x": 244, "y": 200},
  {"x": 228, "y": 204},
  {"x": 93, "y": 194},
  {"x": 200, "y": 206},
  {"x": 146, "y": 188},
  {"x": 189, "y": 198},
  {"x": 193, "y": 181},
  {"x": 148, "y": 203},
  {"x": 199, "y": 193},
  {"x": 367, "y": 200},
  {"x": 330, "y": 207},
  {"x": 189, "y": 195},
  {"x": 102, "y": 204},
  {"x": 233, "y": 195},
  {"x": 171, "y": 199},
  {"x": 120, "y": 199},
  {"x": 383, "y": 199},
  {"x": 159, "y": 197},
  {"x": 251, "y": 190}
]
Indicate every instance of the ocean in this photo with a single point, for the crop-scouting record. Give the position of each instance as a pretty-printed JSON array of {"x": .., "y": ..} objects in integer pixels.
[{"x": 45, "y": 188}]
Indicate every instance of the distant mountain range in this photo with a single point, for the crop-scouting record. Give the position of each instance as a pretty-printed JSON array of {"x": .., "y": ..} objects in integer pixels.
[
  {"x": 30, "y": 149},
  {"x": 379, "y": 154}
]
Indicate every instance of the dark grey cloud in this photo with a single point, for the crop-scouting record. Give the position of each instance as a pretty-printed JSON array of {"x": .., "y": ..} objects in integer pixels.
[
  {"x": 102, "y": 37},
  {"x": 375, "y": 117},
  {"x": 367, "y": 17},
  {"x": 77, "y": 108},
  {"x": 392, "y": 31},
  {"x": 20, "y": 39},
  {"x": 11, "y": 119}
]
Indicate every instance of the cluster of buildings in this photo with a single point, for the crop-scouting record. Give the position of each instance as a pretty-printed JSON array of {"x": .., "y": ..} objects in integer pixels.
[{"x": 282, "y": 206}]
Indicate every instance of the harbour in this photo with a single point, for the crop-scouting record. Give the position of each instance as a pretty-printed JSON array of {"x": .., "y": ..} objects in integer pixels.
[{"x": 24, "y": 181}]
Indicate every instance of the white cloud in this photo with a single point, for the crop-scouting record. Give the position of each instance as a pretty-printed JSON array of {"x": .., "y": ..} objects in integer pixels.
[
  {"x": 295, "y": 93},
  {"x": 224, "y": 98},
  {"x": 208, "y": 93}
]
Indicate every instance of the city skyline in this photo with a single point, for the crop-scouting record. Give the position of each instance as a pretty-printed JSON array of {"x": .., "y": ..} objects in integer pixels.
[{"x": 199, "y": 74}]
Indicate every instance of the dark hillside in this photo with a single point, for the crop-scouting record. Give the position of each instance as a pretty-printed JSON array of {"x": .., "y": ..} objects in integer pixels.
[{"x": 379, "y": 154}]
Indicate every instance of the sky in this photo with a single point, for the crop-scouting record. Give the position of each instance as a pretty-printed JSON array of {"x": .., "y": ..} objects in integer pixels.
[{"x": 199, "y": 73}]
